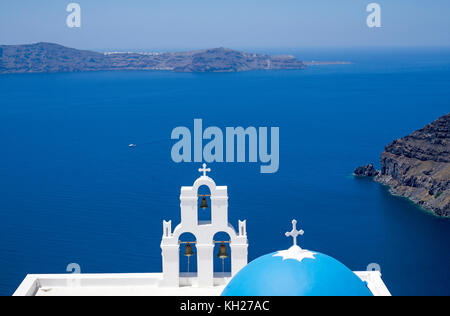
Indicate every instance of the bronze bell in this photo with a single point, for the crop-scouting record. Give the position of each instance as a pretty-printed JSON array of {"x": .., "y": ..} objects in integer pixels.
[
  {"x": 204, "y": 204},
  {"x": 222, "y": 252},
  {"x": 188, "y": 252}
]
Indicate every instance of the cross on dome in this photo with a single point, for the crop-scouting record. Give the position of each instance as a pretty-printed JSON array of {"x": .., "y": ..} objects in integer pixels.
[
  {"x": 204, "y": 170},
  {"x": 294, "y": 233}
]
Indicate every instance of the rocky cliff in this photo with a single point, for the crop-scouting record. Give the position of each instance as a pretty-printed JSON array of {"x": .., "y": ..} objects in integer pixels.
[
  {"x": 48, "y": 57},
  {"x": 418, "y": 167}
]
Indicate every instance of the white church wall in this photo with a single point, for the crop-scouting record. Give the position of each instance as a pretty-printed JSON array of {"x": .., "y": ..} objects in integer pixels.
[{"x": 203, "y": 232}]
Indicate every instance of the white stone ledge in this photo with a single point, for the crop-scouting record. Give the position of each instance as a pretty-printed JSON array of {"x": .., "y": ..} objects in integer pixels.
[{"x": 143, "y": 284}]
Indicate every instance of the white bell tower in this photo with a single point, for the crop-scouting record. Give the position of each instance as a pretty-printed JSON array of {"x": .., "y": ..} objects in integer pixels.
[{"x": 204, "y": 233}]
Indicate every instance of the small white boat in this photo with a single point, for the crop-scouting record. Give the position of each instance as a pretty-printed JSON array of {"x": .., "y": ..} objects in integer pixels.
[{"x": 132, "y": 145}]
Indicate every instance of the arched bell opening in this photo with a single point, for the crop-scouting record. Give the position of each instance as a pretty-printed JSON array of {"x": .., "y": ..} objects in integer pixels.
[
  {"x": 204, "y": 205},
  {"x": 222, "y": 254},
  {"x": 188, "y": 254}
]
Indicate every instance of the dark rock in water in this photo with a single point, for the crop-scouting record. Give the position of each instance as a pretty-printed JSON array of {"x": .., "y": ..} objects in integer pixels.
[
  {"x": 48, "y": 57},
  {"x": 418, "y": 167},
  {"x": 366, "y": 171}
]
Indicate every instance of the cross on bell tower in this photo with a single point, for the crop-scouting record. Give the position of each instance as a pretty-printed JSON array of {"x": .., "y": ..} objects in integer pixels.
[
  {"x": 204, "y": 170},
  {"x": 294, "y": 233}
]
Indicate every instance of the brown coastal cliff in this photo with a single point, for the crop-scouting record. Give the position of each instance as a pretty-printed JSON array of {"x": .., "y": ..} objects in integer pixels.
[{"x": 418, "y": 167}]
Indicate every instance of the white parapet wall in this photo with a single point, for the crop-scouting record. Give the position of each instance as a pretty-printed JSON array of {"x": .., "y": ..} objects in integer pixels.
[
  {"x": 145, "y": 284},
  {"x": 374, "y": 282}
]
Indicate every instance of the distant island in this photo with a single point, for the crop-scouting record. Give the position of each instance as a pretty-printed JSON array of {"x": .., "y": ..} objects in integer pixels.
[
  {"x": 326, "y": 63},
  {"x": 418, "y": 167},
  {"x": 49, "y": 58}
]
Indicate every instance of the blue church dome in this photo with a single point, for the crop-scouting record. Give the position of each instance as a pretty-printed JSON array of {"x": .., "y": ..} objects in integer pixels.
[{"x": 296, "y": 272}]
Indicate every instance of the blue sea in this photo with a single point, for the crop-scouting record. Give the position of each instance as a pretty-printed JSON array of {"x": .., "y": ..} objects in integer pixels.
[{"x": 71, "y": 191}]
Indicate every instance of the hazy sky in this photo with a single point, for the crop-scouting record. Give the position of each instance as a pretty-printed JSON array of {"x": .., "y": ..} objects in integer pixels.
[{"x": 177, "y": 24}]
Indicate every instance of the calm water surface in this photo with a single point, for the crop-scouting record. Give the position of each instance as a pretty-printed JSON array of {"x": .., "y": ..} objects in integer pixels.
[{"x": 72, "y": 191}]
